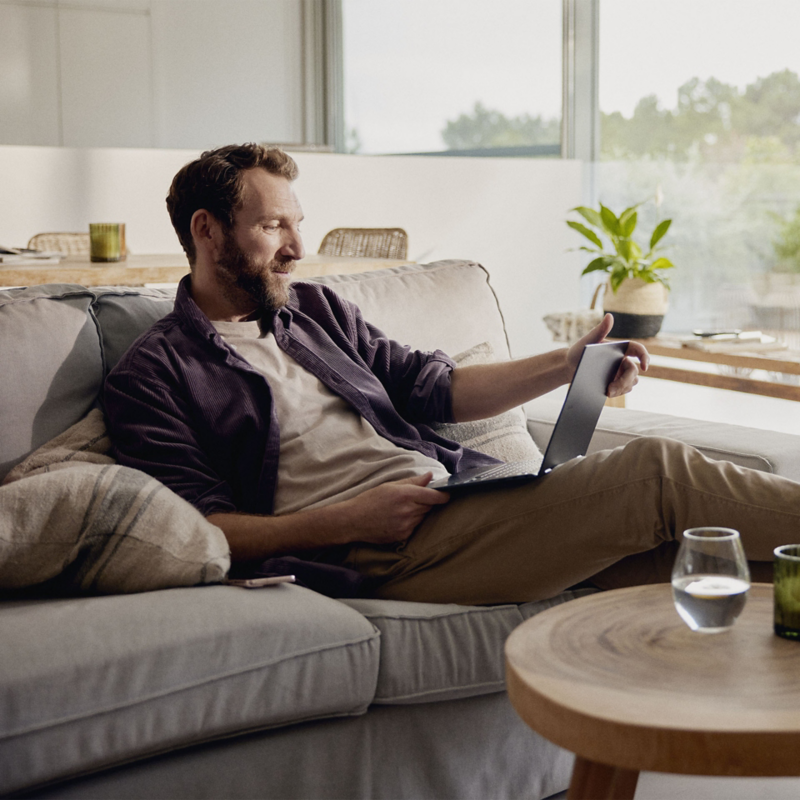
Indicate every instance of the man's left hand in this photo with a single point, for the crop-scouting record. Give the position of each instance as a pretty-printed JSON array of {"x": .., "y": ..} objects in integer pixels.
[{"x": 636, "y": 359}]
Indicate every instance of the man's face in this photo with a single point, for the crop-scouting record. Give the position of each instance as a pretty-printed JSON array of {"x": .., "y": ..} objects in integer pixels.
[{"x": 259, "y": 253}]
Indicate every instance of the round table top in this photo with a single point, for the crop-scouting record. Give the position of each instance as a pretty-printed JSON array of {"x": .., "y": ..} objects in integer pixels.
[{"x": 618, "y": 678}]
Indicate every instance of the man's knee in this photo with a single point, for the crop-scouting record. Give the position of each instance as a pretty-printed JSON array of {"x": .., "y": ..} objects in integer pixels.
[{"x": 657, "y": 455}]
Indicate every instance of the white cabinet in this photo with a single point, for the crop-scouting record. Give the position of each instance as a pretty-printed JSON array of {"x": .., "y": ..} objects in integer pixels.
[
  {"x": 106, "y": 78},
  {"x": 29, "y": 101},
  {"x": 151, "y": 73},
  {"x": 227, "y": 72}
]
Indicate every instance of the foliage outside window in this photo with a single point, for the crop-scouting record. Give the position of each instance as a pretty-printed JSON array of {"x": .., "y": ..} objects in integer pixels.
[
  {"x": 715, "y": 129},
  {"x": 440, "y": 76}
]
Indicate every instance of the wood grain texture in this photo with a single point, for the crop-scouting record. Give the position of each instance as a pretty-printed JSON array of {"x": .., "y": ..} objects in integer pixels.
[
  {"x": 786, "y": 361},
  {"x": 785, "y": 391},
  {"x": 781, "y": 362},
  {"x": 618, "y": 678}
]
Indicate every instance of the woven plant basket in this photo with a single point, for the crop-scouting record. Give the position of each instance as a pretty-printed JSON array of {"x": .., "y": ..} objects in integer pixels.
[{"x": 638, "y": 308}]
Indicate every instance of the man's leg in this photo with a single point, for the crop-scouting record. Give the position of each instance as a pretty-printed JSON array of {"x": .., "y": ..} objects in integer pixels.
[{"x": 532, "y": 541}]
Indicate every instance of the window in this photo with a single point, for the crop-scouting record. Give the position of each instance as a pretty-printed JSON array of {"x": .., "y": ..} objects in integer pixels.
[
  {"x": 700, "y": 101},
  {"x": 433, "y": 76}
]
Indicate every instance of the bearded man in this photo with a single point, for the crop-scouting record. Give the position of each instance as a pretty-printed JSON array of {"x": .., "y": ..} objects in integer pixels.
[{"x": 298, "y": 428}]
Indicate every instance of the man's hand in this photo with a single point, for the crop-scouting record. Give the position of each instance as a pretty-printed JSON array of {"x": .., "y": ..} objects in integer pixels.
[
  {"x": 636, "y": 358},
  {"x": 390, "y": 512},
  {"x": 383, "y": 515}
]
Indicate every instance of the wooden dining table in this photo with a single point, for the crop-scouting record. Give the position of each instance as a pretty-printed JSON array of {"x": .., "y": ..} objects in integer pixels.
[{"x": 138, "y": 270}]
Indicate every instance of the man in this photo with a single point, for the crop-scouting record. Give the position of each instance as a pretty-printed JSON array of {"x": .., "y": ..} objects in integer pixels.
[{"x": 297, "y": 428}]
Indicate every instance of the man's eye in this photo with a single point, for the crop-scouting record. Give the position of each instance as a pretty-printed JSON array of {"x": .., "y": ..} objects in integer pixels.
[{"x": 273, "y": 226}]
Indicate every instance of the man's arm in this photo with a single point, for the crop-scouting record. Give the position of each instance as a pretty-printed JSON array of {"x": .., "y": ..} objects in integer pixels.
[
  {"x": 386, "y": 514},
  {"x": 485, "y": 390}
]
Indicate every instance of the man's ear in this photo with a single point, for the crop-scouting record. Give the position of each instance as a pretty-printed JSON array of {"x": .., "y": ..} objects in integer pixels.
[{"x": 206, "y": 231}]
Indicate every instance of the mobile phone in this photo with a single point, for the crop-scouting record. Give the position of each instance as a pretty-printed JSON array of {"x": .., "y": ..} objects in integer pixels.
[
  {"x": 257, "y": 583},
  {"x": 730, "y": 333}
]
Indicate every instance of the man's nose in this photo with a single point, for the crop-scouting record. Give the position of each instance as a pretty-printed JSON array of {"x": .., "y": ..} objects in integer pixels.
[{"x": 293, "y": 246}]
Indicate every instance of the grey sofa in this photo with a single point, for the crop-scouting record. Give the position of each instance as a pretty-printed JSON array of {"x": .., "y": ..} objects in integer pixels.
[{"x": 221, "y": 692}]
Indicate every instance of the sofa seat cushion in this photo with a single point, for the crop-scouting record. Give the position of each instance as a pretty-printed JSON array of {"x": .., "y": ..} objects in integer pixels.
[
  {"x": 91, "y": 682},
  {"x": 432, "y": 651}
]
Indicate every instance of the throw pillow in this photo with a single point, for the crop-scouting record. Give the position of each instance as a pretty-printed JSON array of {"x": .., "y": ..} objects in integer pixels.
[
  {"x": 69, "y": 511},
  {"x": 505, "y": 436}
]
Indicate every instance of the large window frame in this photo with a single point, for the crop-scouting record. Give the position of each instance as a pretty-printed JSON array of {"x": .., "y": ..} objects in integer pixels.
[{"x": 580, "y": 117}]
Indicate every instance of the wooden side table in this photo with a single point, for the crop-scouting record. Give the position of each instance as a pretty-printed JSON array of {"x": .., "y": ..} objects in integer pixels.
[
  {"x": 618, "y": 679},
  {"x": 785, "y": 362}
]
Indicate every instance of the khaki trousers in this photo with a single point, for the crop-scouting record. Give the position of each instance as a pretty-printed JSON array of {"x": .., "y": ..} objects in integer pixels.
[{"x": 615, "y": 516}]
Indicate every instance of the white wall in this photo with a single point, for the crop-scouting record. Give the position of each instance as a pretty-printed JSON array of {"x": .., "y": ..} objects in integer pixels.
[{"x": 506, "y": 213}]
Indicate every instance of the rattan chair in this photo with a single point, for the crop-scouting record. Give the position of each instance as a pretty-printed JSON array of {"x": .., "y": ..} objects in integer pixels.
[
  {"x": 366, "y": 242},
  {"x": 76, "y": 244}
]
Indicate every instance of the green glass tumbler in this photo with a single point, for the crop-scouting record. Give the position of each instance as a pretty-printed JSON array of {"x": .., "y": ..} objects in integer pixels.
[
  {"x": 106, "y": 241},
  {"x": 787, "y": 591}
]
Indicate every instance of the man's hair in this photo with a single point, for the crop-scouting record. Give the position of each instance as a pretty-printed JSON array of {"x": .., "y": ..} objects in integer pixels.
[{"x": 214, "y": 182}]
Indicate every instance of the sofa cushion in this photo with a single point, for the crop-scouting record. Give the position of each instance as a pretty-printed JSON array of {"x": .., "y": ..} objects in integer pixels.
[
  {"x": 754, "y": 448},
  {"x": 504, "y": 436},
  {"x": 446, "y": 305},
  {"x": 433, "y": 651},
  {"x": 91, "y": 682},
  {"x": 51, "y": 365},
  {"x": 124, "y": 314}
]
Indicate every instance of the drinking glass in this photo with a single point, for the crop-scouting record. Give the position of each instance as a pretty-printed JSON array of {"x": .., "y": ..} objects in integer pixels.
[
  {"x": 787, "y": 591},
  {"x": 710, "y": 579},
  {"x": 107, "y": 241}
]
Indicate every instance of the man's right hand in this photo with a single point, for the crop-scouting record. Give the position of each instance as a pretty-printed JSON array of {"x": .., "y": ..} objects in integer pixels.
[
  {"x": 391, "y": 512},
  {"x": 386, "y": 514}
]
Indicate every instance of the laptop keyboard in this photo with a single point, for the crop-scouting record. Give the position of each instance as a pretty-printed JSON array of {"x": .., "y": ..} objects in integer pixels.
[{"x": 528, "y": 467}]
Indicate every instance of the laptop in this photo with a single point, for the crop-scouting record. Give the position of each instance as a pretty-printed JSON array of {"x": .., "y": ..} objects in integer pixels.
[{"x": 572, "y": 432}]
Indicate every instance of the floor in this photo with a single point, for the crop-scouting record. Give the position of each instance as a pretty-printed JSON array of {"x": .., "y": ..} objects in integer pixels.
[{"x": 658, "y": 786}]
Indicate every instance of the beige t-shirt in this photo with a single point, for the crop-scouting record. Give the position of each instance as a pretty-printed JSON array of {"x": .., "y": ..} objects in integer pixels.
[{"x": 329, "y": 452}]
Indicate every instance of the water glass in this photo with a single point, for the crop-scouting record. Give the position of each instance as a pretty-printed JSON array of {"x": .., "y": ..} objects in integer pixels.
[
  {"x": 710, "y": 579},
  {"x": 787, "y": 591}
]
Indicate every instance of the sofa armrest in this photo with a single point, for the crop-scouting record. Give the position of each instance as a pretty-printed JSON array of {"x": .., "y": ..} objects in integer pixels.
[{"x": 768, "y": 451}]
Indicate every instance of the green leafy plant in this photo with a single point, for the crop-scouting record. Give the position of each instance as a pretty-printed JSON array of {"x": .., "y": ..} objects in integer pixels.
[
  {"x": 787, "y": 245},
  {"x": 626, "y": 258}
]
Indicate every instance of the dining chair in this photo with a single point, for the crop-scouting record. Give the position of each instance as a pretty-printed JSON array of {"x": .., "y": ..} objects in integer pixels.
[
  {"x": 67, "y": 243},
  {"x": 366, "y": 242}
]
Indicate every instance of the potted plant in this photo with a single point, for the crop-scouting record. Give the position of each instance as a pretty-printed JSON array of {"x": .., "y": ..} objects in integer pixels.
[{"x": 637, "y": 291}]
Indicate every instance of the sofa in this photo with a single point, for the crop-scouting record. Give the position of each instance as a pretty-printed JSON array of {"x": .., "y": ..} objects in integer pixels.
[{"x": 214, "y": 691}]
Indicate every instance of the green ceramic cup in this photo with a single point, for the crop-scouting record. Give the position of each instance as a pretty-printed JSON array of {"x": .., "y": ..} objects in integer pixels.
[{"x": 787, "y": 591}]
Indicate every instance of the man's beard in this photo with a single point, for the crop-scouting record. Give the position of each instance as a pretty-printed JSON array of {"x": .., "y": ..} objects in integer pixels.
[{"x": 244, "y": 278}]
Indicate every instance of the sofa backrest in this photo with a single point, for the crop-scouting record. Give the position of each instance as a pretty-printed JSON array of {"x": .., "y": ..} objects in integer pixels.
[{"x": 57, "y": 342}]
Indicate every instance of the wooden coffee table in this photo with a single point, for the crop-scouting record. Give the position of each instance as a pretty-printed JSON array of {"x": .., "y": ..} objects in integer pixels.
[{"x": 618, "y": 679}]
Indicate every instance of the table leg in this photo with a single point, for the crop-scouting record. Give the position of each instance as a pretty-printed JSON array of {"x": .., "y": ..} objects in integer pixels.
[{"x": 593, "y": 781}]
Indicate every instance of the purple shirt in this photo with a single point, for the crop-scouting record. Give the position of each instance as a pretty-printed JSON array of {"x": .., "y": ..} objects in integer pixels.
[{"x": 185, "y": 408}]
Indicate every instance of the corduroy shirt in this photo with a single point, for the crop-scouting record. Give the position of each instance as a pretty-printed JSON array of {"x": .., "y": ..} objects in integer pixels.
[{"x": 184, "y": 407}]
